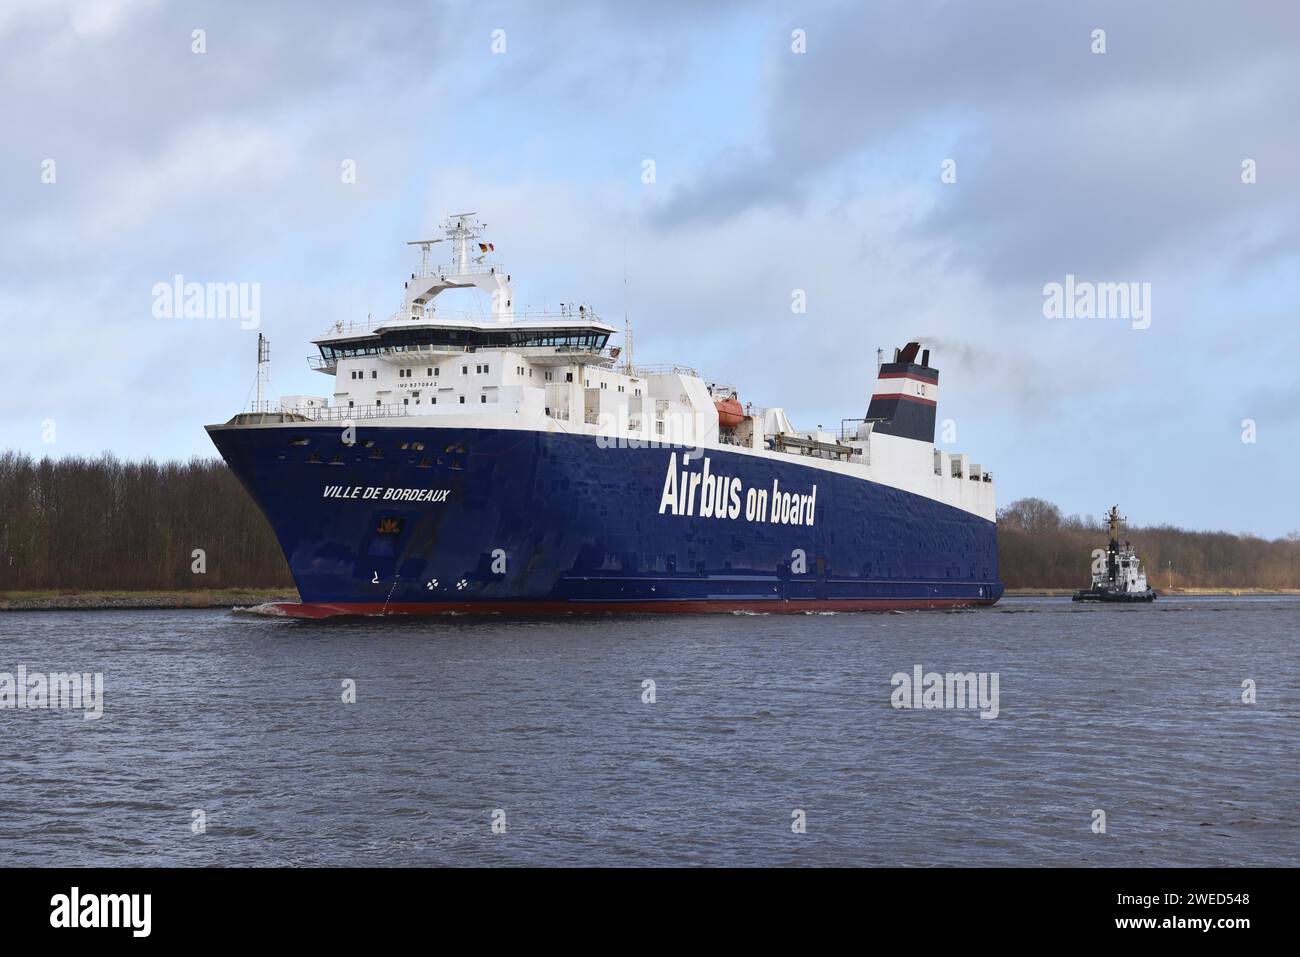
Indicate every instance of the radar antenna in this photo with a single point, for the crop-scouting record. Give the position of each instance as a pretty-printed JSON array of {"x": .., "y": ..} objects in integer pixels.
[{"x": 425, "y": 245}]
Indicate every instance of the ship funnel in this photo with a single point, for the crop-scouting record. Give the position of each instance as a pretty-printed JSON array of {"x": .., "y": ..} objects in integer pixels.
[{"x": 906, "y": 396}]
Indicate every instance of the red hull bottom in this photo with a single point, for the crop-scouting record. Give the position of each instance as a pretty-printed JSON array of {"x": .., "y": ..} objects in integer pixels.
[{"x": 531, "y": 609}]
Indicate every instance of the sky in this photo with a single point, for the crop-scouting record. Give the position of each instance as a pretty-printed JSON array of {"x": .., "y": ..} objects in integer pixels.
[{"x": 911, "y": 170}]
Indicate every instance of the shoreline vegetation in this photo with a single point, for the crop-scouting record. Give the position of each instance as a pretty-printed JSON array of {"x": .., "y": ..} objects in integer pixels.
[
  {"x": 1176, "y": 593},
  {"x": 81, "y": 532},
  {"x": 65, "y": 600},
  {"x": 1041, "y": 549}
]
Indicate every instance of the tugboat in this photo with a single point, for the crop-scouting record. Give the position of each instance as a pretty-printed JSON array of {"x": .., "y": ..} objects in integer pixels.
[{"x": 1123, "y": 578}]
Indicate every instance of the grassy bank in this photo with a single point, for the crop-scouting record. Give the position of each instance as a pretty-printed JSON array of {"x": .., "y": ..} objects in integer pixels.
[
  {"x": 67, "y": 600},
  {"x": 1175, "y": 593}
]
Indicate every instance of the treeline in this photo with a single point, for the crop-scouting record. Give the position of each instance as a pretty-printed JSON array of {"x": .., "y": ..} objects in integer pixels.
[
  {"x": 103, "y": 524},
  {"x": 1038, "y": 547}
]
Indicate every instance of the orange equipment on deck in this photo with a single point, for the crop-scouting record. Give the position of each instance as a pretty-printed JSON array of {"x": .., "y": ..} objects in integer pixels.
[{"x": 730, "y": 414}]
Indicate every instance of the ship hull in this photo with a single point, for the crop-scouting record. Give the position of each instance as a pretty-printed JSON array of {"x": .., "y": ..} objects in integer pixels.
[
  {"x": 1107, "y": 595},
  {"x": 409, "y": 521}
]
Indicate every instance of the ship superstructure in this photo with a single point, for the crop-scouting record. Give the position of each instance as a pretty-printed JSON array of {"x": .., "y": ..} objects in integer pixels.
[{"x": 509, "y": 460}]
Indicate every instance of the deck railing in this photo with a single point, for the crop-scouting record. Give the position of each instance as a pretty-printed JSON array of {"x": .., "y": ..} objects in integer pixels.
[
  {"x": 332, "y": 413},
  {"x": 524, "y": 316},
  {"x": 665, "y": 368}
]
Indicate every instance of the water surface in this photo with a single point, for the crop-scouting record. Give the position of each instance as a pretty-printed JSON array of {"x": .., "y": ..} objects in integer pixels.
[{"x": 1133, "y": 710}]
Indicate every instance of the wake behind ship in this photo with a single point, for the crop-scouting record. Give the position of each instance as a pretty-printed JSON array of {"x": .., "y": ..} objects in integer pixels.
[{"x": 497, "y": 464}]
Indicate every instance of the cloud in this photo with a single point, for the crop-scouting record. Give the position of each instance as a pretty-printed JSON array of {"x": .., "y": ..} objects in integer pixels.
[
  {"x": 1067, "y": 160},
  {"x": 777, "y": 172}
]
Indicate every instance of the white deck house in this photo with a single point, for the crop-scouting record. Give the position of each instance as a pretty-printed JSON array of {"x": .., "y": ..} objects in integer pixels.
[{"x": 425, "y": 367}]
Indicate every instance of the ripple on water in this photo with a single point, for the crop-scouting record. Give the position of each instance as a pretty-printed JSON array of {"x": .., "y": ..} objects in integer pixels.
[{"x": 1135, "y": 711}]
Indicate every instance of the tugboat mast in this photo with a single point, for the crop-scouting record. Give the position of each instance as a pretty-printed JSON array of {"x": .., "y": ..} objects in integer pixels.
[{"x": 1112, "y": 553}]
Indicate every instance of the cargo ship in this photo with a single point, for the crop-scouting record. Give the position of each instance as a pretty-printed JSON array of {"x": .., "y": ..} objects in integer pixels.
[{"x": 493, "y": 462}]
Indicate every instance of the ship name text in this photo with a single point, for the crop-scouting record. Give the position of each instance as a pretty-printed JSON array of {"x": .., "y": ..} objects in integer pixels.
[{"x": 384, "y": 494}]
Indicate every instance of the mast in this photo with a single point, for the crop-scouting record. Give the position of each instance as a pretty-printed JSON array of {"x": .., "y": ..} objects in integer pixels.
[
  {"x": 1112, "y": 562},
  {"x": 263, "y": 368},
  {"x": 460, "y": 230},
  {"x": 469, "y": 269}
]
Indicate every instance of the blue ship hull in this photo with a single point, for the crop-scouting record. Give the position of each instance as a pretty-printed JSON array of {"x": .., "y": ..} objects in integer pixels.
[{"x": 430, "y": 520}]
